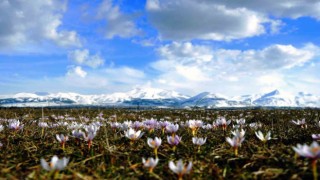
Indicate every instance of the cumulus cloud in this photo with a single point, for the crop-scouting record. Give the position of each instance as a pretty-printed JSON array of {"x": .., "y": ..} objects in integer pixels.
[
  {"x": 118, "y": 23},
  {"x": 189, "y": 19},
  {"x": 83, "y": 57},
  {"x": 77, "y": 71},
  {"x": 224, "y": 20},
  {"x": 32, "y": 22},
  {"x": 190, "y": 67},
  {"x": 283, "y": 8}
]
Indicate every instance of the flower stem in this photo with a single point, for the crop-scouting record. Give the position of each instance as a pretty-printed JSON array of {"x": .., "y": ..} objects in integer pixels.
[
  {"x": 314, "y": 169},
  {"x": 236, "y": 151},
  {"x": 174, "y": 148},
  {"x": 156, "y": 152}
]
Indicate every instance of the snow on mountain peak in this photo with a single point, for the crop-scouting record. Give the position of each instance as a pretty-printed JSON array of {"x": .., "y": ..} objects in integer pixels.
[
  {"x": 161, "y": 97},
  {"x": 154, "y": 93}
]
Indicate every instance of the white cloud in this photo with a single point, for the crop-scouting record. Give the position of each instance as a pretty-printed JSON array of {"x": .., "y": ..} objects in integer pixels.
[
  {"x": 283, "y": 8},
  {"x": 224, "y": 20},
  {"x": 32, "y": 22},
  {"x": 83, "y": 57},
  {"x": 194, "y": 68},
  {"x": 189, "y": 19},
  {"x": 77, "y": 71},
  {"x": 118, "y": 23}
]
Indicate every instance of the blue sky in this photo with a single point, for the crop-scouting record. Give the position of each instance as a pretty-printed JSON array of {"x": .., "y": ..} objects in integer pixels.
[{"x": 190, "y": 46}]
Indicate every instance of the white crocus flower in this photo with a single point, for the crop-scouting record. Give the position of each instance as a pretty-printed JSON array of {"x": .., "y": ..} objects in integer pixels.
[
  {"x": 199, "y": 141},
  {"x": 62, "y": 139},
  {"x": 132, "y": 134},
  {"x": 263, "y": 138},
  {"x": 55, "y": 164},
  {"x": 180, "y": 169},
  {"x": 154, "y": 143},
  {"x": 312, "y": 151},
  {"x": 150, "y": 163}
]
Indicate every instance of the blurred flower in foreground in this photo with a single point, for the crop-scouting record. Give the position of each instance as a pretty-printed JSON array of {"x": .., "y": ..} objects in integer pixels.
[
  {"x": 150, "y": 163},
  {"x": 180, "y": 169},
  {"x": 315, "y": 137},
  {"x": 55, "y": 164},
  {"x": 263, "y": 138},
  {"x": 312, "y": 152},
  {"x": 155, "y": 144}
]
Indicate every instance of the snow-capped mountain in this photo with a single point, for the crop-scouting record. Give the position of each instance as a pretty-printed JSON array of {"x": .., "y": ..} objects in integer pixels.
[
  {"x": 162, "y": 98},
  {"x": 137, "y": 96}
]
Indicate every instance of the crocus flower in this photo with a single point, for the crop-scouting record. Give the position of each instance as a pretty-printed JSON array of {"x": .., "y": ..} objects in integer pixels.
[
  {"x": 89, "y": 138},
  {"x": 174, "y": 141},
  {"x": 55, "y": 164},
  {"x": 199, "y": 142},
  {"x": 194, "y": 125},
  {"x": 15, "y": 125},
  {"x": 238, "y": 133},
  {"x": 163, "y": 125},
  {"x": 180, "y": 169},
  {"x": 263, "y": 138},
  {"x": 150, "y": 163},
  {"x": 235, "y": 142},
  {"x": 172, "y": 128},
  {"x": 92, "y": 128},
  {"x": 312, "y": 152},
  {"x": 77, "y": 134},
  {"x": 315, "y": 137},
  {"x": 133, "y": 135},
  {"x": 302, "y": 123},
  {"x": 62, "y": 139},
  {"x": 221, "y": 121},
  {"x": 255, "y": 125},
  {"x": 155, "y": 144},
  {"x": 1, "y": 127},
  {"x": 136, "y": 125},
  {"x": 241, "y": 122},
  {"x": 150, "y": 124}
]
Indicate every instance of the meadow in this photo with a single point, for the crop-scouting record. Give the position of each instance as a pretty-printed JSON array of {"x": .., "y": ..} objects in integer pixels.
[{"x": 110, "y": 143}]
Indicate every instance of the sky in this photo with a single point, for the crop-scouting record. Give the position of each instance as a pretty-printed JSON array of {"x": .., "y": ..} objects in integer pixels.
[{"x": 190, "y": 46}]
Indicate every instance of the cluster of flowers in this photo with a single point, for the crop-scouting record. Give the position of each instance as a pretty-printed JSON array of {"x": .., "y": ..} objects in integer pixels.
[{"x": 133, "y": 130}]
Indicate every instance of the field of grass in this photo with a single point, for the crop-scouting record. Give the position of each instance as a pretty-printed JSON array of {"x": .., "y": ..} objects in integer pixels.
[{"x": 114, "y": 156}]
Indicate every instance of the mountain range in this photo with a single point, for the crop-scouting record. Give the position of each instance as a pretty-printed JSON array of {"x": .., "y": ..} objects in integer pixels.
[{"x": 160, "y": 98}]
